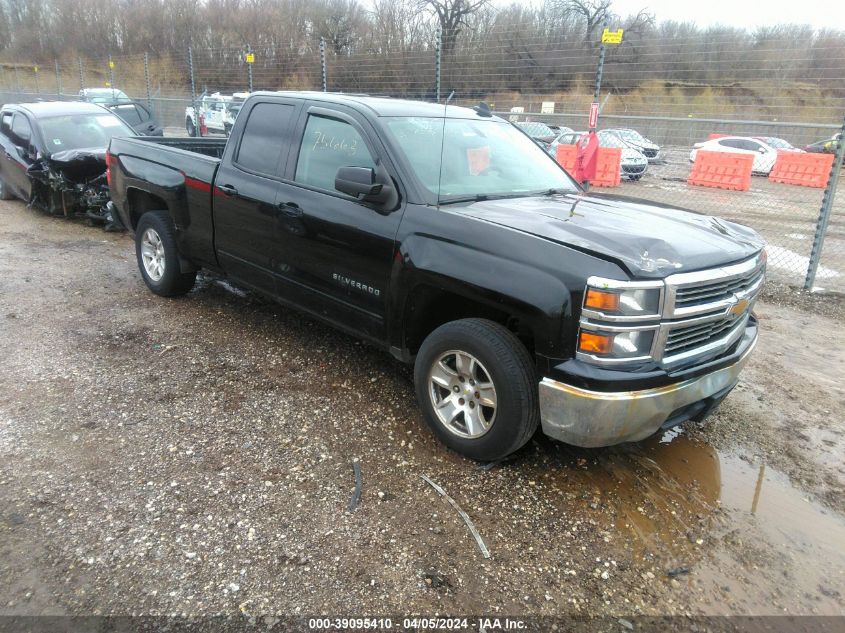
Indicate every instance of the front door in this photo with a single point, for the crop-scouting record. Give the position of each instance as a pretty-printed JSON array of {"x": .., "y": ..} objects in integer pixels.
[
  {"x": 244, "y": 194},
  {"x": 18, "y": 155},
  {"x": 334, "y": 252}
]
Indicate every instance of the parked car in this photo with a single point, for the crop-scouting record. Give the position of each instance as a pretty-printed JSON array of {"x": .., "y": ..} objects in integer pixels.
[
  {"x": 218, "y": 112},
  {"x": 54, "y": 155},
  {"x": 449, "y": 239},
  {"x": 539, "y": 131},
  {"x": 637, "y": 141},
  {"x": 764, "y": 154},
  {"x": 778, "y": 143},
  {"x": 632, "y": 164},
  {"x": 103, "y": 95},
  {"x": 562, "y": 133},
  {"x": 827, "y": 146},
  {"x": 138, "y": 116}
]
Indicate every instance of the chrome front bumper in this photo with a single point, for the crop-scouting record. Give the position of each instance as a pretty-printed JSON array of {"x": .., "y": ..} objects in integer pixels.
[{"x": 594, "y": 418}]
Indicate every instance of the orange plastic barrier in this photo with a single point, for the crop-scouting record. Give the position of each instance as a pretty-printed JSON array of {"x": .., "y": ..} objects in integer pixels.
[
  {"x": 608, "y": 167},
  {"x": 802, "y": 169},
  {"x": 566, "y": 155},
  {"x": 723, "y": 170},
  {"x": 716, "y": 135}
]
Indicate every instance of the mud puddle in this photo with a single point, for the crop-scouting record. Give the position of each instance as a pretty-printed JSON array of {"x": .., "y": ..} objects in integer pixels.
[{"x": 726, "y": 526}]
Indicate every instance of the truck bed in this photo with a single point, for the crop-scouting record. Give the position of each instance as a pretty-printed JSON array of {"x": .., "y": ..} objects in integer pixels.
[
  {"x": 212, "y": 147},
  {"x": 179, "y": 173}
]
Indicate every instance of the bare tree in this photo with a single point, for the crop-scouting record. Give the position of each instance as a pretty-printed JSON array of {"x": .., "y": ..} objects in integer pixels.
[
  {"x": 591, "y": 13},
  {"x": 453, "y": 16}
]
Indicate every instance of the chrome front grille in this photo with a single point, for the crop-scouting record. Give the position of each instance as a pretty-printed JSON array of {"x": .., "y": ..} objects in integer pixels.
[
  {"x": 707, "y": 311},
  {"x": 717, "y": 290},
  {"x": 713, "y": 290},
  {"x": 685, "y": 338},
  {"x": 701, "y": 315}
]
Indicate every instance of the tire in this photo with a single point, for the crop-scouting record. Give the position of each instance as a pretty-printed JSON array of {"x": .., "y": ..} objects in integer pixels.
[
  {"x": 5, "y": 193},
  {"x": 635, "y": 177},
  {"x": 155, "y": 244},
  {"x": 501, "y": 360},
  {"x": 189, "y": 125}
]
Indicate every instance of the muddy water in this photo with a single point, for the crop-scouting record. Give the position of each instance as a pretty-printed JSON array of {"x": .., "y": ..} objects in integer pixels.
[{"x": 726, "y": 526}]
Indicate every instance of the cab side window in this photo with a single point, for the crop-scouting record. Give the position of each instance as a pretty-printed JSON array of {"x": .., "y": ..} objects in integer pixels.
[
  {"x": 327, "y": 145},
  {"x": 264, "y": 137}
]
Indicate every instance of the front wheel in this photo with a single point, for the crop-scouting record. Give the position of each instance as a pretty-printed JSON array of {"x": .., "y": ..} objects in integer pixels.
[
  {"x": 158, "y": 256},
  {"x": 189, "y": 125},
  {"x": 476, "y": 386}
]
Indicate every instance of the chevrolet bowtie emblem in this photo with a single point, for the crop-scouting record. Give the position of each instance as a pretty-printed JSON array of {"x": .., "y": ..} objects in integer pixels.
[{"x": 739, "y": 307}]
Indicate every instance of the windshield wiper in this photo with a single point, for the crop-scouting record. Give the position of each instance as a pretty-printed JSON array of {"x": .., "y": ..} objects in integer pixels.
[
  {"x": 480, "y": 197},
  {"x": 553, "y": 192}
]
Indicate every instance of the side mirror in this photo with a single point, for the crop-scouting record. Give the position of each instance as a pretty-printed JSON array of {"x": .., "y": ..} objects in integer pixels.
[
  {"x": 359, "y": 182},
  {"x": 762, "y": 150}
]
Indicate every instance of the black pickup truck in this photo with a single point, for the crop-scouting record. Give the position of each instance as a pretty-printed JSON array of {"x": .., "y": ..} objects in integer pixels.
[{"x": 447, "y": 237}]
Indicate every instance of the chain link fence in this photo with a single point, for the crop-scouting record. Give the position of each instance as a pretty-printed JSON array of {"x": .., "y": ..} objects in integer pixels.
[{"x": 676, "y": 100}]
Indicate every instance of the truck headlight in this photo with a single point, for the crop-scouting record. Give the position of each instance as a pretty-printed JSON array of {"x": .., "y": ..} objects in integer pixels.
[
  {"x": 619, "y": 320},
  {"x": 613, "y": 300},
  {"x": 616, "y": 345}
]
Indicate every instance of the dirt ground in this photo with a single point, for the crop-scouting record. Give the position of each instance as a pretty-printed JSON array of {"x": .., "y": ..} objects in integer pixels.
[{"x": 195, "y": 456}]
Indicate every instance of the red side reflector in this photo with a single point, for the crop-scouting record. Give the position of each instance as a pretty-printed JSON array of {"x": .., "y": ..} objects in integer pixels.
[{"x": 108, "y": 168}]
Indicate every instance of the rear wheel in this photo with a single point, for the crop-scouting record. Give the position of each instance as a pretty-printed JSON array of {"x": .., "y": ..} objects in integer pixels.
[
  {"x": 476, "y": 386},
  {"x": 158, "y": 256},
  {"x": 5, "y": 193},
  {"x": 189, "y": 125}
]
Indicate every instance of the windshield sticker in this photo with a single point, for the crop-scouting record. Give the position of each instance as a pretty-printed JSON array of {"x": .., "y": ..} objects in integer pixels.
[
  {"x": 478, "y": 159},
  {"x": 108, "y": 121},
  {"x": 57, "y": 141}
]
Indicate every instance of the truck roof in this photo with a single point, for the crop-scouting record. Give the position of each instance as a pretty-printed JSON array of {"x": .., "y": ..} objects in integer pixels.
[
  {"x": 57, "y": 108},
  {"x": 381, "y": 106}
]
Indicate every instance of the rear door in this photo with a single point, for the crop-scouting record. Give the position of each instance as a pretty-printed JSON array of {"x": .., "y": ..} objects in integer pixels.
[
  {"x": 335, "y": 252},
  {"x": 244, "y": 192}
]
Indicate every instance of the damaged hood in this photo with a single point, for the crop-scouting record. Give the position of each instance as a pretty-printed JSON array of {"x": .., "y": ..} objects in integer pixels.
[
  {"x": 79, "y": 164},
  {"x": 647, "y": 239}
]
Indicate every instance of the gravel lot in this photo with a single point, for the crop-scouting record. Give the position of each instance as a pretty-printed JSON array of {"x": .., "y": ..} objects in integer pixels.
[{"x": 195, "y": 456}]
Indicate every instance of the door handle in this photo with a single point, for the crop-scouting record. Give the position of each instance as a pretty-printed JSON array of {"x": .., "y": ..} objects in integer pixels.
[
  {"x": 290, "y": 209},
  {"x": 228, "y": 190}
]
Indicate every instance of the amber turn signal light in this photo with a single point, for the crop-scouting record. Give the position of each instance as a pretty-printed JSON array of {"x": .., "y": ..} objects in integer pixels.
[
  {"x": 602, "y": 300},
  {"x": 595, "y": 343}
]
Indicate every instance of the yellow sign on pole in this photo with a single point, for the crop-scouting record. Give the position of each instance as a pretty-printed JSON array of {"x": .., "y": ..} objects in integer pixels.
[
  {"x": 111, "y": 64},
  {"x": 250, "y": 58},
  {"x": 612, "y": 37},
  {"x": 35, "y": 68}
]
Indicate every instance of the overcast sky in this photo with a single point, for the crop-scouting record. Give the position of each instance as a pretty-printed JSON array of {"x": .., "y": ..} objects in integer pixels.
[{"x": 742, "y": 13}]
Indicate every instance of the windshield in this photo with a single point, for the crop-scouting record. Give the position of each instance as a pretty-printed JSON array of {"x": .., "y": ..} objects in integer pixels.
[
  {"x": 777, "y": 143},
  {"x": 77, "y": 131},
  {"x": 106, "y": 96},
  {"x": 488, "y": 158},
  {"x": 630, "y": 135},
  {"x": 536, "y": 129},
  {"x": 610, "y": 139}
]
